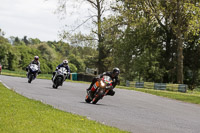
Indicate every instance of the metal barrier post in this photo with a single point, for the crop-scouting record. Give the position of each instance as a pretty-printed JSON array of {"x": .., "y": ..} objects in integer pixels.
[
  {"x": 182, "y": 88},
  {"x": 139, "y": 84},
  {"x": 127, "y": 83}
]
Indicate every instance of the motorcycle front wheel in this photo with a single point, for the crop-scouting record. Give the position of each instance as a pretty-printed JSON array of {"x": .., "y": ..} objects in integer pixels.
[
  {"x": 55, "y": 86},
  {"x": 97, "y": 97},
  {"x": 87, "y": 99},
  {"x": 30, "y": 78}
]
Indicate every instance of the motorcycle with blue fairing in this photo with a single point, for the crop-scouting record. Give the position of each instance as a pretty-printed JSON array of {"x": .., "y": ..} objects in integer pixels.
[
  {"x": 60, "y": 76},
  {"x": 32, "y": 72}
]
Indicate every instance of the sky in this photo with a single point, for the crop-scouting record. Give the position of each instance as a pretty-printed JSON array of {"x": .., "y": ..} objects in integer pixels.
[{"x": 33, "y": 18}]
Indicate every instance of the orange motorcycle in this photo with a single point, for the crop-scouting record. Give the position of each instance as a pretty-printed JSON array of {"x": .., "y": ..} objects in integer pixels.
[{"x": 99, "y": 89}]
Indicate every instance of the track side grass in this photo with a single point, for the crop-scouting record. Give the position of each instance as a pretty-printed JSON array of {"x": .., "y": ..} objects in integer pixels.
[
  {"x": 19, "y": 114},
  {"x": 21, "y": 73},
  {"x": 190, "y": 96}
]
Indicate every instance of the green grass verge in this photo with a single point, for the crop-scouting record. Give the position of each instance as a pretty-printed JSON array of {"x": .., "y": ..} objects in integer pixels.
[
  {"x": 190, "y": 96},
  {"x": 19, "y": 114},
  {"x": 21, "y": 73}
]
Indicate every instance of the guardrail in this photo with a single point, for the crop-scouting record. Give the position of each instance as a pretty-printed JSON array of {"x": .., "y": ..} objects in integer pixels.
[{"x": 158, "y": 86}]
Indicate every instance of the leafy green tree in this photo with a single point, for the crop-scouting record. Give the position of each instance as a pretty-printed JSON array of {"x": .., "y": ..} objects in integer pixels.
[
  {"x": 25, "y": 40},
  {"x": 178, "y": 15},
  {"x": 171, "y": 19},
  {"x": 99, "y": 6},
  {"x": 25, "y": 55},
  {"x": 47, "y": 52},
  {"x": 148, "y": 67},
  {"x": 130, "y": 35},
  {"x": 6, "y": 57},
  {"x": 77, "y": 62},
  {"x": 34, "y": 41},
  {"x": 2, "y": 33},
  {"x": 73, "y": 68},
  {"x": 191, "y": 61}
]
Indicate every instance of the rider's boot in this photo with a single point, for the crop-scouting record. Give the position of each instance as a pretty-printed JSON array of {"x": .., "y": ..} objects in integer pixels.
[
  {"x": 87, "y": 90},
  {"x": 90, "y": 92},
  {"x": 111, "y": 93}
]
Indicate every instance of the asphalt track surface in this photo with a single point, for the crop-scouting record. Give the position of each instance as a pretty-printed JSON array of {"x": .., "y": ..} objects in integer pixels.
[{"x": 128, "y": 110}]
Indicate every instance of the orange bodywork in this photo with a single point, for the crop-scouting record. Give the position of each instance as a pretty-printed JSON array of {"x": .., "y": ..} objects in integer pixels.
[{"x": 95, "y": 86}]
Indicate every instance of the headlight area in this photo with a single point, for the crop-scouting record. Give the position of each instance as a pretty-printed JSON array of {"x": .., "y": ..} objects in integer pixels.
[
  {"x": 108, "y": 87},
  {"x": 102, "y": 83}
]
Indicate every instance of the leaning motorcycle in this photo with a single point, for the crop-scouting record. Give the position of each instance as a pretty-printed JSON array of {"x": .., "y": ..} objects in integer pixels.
[
  {"x": 32, "y": 72},
  {"x": 101, "y": 88},
  {"x": 59, "y": 77}
]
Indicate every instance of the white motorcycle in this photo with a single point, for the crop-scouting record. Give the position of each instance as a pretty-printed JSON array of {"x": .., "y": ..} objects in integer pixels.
[
  {"x": 32, "y": 72},
  {"x": 59, "y": 77}
]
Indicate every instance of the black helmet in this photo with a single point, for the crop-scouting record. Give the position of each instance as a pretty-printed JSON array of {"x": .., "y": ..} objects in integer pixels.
[
  {"x": 36, "y": 58},
  {"x": 116, "y": 71}
]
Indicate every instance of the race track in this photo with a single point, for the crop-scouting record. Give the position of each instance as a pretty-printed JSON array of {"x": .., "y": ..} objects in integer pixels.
[{"x": 133, "y": 111}]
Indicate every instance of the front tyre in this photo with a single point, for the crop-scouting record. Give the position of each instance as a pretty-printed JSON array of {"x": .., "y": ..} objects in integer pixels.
[
  {"x": 29, "y": 81},
  {"x": 30, "y": 78},
  {"x": 55, "y": 86},
  {"x": 87, "y": 99},
  {"x": 97, "y": 98}
]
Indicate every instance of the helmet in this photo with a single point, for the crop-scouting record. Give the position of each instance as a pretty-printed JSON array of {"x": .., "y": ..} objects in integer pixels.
[
  {"x": 65, "y": 62},
  {"x": 36, "y": 58},
  {"x": 115, "y": 71}
]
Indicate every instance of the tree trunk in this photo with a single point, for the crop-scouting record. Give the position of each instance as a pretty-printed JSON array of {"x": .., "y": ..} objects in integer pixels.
[
  {"x": 180, "y": 59},
  {"x": 179, "y": 46},
  {"x": 100, "y": 39}
]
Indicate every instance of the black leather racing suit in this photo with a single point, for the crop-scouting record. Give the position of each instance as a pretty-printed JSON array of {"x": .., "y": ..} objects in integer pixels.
[{"x": 115, "y": 81}]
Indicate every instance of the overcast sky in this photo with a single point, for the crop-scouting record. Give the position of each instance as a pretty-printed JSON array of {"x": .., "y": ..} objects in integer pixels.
[{"x": 32, "y": 18}]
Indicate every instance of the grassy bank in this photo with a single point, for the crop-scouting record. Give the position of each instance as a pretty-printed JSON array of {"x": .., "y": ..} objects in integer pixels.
[{"x": 22, "y": 115}]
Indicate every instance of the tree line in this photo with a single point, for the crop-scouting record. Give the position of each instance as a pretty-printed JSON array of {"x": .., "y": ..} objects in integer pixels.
[
  {"x": 16, "y": 54},
  {"x": 150, "y": 40}
]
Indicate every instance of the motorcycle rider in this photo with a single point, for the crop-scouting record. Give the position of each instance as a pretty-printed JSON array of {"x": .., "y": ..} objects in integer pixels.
[
  {"x": 63, "y": 64},
  {"x": 114, "y": 75},
  {"x": 35, "y": 61}
]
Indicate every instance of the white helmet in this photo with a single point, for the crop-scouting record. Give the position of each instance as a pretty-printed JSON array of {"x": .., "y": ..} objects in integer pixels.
[{"x": 65, "y": 62}]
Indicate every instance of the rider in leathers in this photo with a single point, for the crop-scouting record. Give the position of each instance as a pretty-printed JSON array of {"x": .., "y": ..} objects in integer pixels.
[
  {"x": 35, "y": 61},
  {"x": 63, "y": 64},
  {"x": 114, "y": 75}
]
